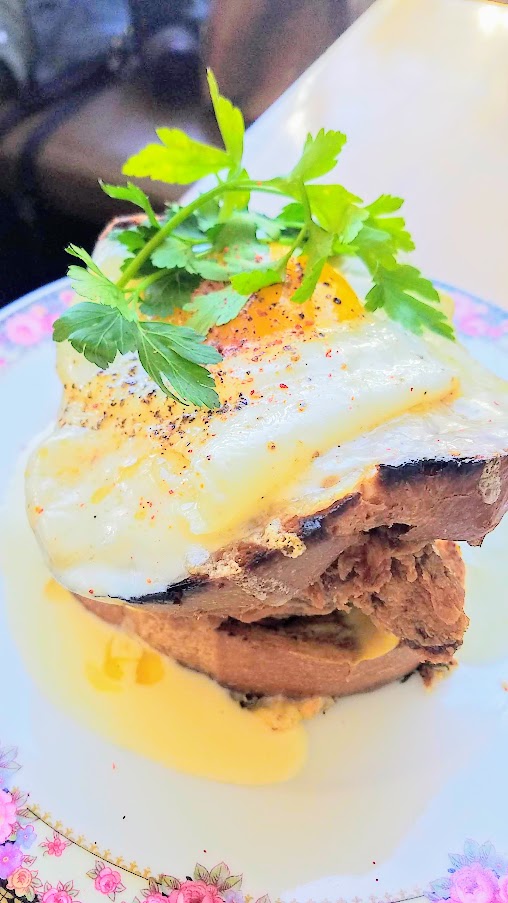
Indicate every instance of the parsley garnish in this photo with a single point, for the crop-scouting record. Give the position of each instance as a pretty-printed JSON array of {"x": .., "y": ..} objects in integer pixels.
[{"x": 217, "y": 237}]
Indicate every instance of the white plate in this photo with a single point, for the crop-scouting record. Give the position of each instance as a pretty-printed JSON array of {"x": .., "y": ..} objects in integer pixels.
[{"x": 401, "y": 786}]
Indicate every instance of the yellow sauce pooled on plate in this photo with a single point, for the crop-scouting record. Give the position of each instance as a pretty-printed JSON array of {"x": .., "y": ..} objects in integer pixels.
[
  {"x": 119, "y": 688},
  {"x": 126, "y": 692}
]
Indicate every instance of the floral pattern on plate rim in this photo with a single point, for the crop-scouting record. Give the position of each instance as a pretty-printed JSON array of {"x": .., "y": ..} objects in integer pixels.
[
  {"x": 30, "y": 321},
  {"x": 34, "y": 853},
  {"x": 37, "y": 860},
  {"x": 34, "y": 859}
]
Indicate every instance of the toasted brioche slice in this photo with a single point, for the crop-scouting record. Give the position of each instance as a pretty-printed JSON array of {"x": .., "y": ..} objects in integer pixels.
[
  {"x": 256, "y": 659},
  {"x": 321, "y": 655}
]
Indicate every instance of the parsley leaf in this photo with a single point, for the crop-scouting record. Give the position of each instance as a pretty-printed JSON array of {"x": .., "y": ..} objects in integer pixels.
[
  {"x": 187, "y": 342},
  {"x": 179, "y": 159},
  {"x": 169, "y": 293},
  {"x": 172, "y": 253},
  {"x": 292, "y": 216},
  {"x": 91, "y": 283},
  {"x": 395, "y": 226},
  {"x": 134, "y": 194},
  {"x": 242, "y": 250},
  {"x": 337, "y": 210},
  {"x": 266, "y": 228},
  {"x": 172, "y": 362},
  {"x": 317, "y": 249},
  {"x": 230, "y": 121},
  {"x": 240, "y": 230},
  {"x": 238, "y": 243},
  {"x": 207, "y": 216},
  {"x": 190, "y": 230},
  {"x": 412, "y": 280},
  {"x": 385, "y": 203},
  {"x": 97, "y": 331},
  {"x": 211, "y": 269},
  {"x": 399, "y": 291},
  {"x": 248, "y": 283},
  {"x": 234, "y": 200},
  {"x": 135, "y": 240},
  {"x": 132, "y": 239},
  {"x": 235, "y": 249},
  {"x": 215, "y": 308},
  {"x": 319, "y": 155},
  {"x": 382, "y": 236},
  {"x": 309, "y": 281},
  {"x": 232, "y": 128},
  {"x": 83, "y": 255}
]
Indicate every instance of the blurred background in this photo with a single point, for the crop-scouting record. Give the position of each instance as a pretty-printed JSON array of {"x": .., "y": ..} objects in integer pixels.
[{"x": 83, "y": 84}]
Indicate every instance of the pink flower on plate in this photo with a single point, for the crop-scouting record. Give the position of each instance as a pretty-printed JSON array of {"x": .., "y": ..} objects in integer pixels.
[
  {"x": 472, "y": 325},
  {"x": 59, "y": 894},
  {"x": 156, "y": 897},
  {"x": 46, "y": 321},
  {"x": 474, "y": 884},
  {"x": 466, "y": 306},
  {"x": 11, "y": 858},
  {"x": 7, "y": 814},
  {"x": 67, "y": 296},
  {"x": 195, "y": 892},
  {"x": 108, "y": 881},
  {"x": 503, "y": 889},
  {"x": 20, "y": 881},
  {"x": 55, "y": 846},
  {"x": 44, "y": 317},
  {"x": 24, "y": 329}
]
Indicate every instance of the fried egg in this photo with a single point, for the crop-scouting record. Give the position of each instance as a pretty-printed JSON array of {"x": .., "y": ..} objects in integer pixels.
[{"x": 132, "y": 491}]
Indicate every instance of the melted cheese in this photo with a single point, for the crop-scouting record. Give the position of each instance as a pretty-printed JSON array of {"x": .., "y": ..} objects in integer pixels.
[{"x": 132, "y": 492}]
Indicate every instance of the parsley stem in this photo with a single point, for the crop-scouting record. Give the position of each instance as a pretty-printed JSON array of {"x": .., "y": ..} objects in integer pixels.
[
  {"x": 306, "y": 203},
  {"x": 250, "y": 185},
  {"x": 130, "y": 271},
  {"x": 283, "y": 262},
  {"x": 145, "y": 252},
  {"x": 149, "y": 280}
]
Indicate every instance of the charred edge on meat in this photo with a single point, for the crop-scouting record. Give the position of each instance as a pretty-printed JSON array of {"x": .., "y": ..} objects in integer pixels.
[
  {"x": 174, "y": 594},
  {"x": 314, "y": 529},
  {"x": 311, "y": 529},
  {"x": 392, "y": 474}
]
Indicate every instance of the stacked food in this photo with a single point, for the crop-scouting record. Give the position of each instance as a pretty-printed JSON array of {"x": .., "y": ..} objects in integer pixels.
[{"x": 285, "y": 520}]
